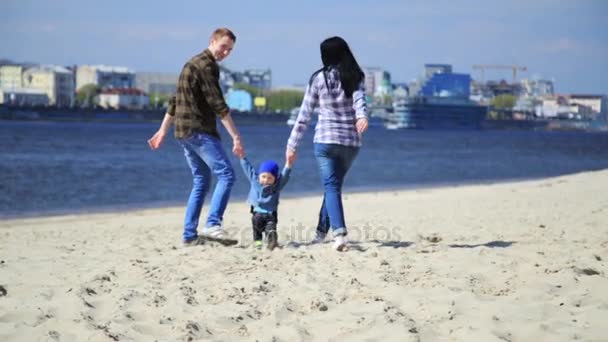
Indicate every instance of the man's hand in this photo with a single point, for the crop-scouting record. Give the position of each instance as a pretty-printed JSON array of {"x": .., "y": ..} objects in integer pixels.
[
  {"x": 156, "y": 140},
  {"x": 237, "y": 147},
  {"x": 158, "y": 137},
  {"x": 361, "y": 125}
]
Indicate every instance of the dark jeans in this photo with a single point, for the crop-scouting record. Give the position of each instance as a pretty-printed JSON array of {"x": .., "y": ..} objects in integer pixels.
[{"x": 263, "y": 223}]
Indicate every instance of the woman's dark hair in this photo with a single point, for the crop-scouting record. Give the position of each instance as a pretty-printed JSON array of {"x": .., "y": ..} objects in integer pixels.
[{"x": 336, "y": 53}]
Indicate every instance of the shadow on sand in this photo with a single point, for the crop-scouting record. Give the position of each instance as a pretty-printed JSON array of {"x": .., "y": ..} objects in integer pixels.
[{"x": 491, "y": 244}]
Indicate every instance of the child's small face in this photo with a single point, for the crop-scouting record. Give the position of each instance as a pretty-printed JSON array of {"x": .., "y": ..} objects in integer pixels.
[{"x": 266, "y": 178}]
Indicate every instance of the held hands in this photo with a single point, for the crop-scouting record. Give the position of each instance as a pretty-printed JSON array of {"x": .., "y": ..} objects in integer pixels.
[
  {"x": 361, "y": 125},
  {"x": 290, "y": 157},
  {"x": 237, "y": 147}
]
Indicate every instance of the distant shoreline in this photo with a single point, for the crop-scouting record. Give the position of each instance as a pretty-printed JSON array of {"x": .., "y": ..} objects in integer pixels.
[
  {"x": 116, "y": 115},
  {"x": 54, "y": 114}
]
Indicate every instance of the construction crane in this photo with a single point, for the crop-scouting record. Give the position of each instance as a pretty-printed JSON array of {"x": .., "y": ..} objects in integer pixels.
[{"x": 514, "y": 68}]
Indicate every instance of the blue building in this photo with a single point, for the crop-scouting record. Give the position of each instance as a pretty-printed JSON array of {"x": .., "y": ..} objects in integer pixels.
[
  {"x": 447, "y": 85},
  {"x": 239, "y": 100}
]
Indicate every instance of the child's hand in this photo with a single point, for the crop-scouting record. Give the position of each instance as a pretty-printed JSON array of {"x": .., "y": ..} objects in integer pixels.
[{"x": 290, "y": 157}]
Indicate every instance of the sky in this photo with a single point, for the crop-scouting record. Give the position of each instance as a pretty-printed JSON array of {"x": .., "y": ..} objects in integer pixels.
[{"x": 564, "y": 41}]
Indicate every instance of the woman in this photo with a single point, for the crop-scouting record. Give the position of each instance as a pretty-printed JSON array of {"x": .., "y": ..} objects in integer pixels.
[{"x": 337, "y": 91}]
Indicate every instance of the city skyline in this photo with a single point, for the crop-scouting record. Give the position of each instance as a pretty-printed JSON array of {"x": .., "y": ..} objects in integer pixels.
[{"x": 560, "y": 41}]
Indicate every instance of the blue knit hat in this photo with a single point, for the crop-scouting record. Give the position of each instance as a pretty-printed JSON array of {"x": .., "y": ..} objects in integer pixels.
[{"x": 269, "y": 166}]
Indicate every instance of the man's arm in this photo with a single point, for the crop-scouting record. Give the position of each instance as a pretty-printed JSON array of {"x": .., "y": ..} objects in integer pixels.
[
  {"x": 213, "y": 94},
  {"x": 237, "y": 145},
  {"x": 157, "y": 139}
]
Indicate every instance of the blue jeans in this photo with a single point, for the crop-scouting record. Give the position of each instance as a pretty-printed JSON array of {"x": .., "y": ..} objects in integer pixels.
[
  {"x": 205, "y": 155},
  {"x": 334, "y": 161}
]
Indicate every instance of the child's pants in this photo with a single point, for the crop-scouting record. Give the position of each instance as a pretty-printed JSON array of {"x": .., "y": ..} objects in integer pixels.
[{"x": 263, "y": 223}]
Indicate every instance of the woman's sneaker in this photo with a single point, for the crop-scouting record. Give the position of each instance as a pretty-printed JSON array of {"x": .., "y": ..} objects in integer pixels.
[{"x": 340, "y": 243}]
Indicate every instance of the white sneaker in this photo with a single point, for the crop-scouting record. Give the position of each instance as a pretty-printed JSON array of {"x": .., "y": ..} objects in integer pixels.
[
  {"x": 213, "y": 232},
  {"x": 216, "y": 234},
  {"x": 340, "y": 243}
]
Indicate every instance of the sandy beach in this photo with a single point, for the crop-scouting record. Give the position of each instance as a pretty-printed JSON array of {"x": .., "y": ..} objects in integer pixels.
[{"x": 520, "y": 261}]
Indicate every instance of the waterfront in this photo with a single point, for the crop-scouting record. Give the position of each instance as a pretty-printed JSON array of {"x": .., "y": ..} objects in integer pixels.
[{"x": 55, "y": 167}]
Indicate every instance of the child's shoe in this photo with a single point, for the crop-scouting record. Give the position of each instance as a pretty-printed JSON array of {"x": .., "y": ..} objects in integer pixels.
[{"x": 272, "y": 240}]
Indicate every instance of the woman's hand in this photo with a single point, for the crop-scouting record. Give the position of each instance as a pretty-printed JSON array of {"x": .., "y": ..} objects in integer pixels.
[
  {"x": 361, "y": 125},
  {"x": 290, "y": 157}
]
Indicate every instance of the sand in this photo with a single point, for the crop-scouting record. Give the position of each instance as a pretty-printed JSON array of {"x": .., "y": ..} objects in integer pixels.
[{"x": 519, "y": 261}]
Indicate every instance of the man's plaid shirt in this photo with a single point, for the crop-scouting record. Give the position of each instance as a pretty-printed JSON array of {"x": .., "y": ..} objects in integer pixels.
[{"x": 199, "y": 98}]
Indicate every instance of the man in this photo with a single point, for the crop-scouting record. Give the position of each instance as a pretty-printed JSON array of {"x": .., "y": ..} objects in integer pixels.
[{"x": 193, "y": 109}]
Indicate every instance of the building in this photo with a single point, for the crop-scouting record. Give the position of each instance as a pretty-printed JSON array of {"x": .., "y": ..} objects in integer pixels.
[
  {"x": 123, "y": 98},
  {"x": 503, "y": 88},
  {"x": 440, "y": 81},
  {"x": 24, "y": 97},
  {"x": 377, "y": 82},
  {"x": 569, "y": 106},
  {"x": 432, "y": 69},
  {"x": 261, "y": 79},
  {"x": 239, "y": 100},
  {"x": 11, "y": 76},
  {"x": 56, "y": 81},
  {"x": 104, "y": 76},
  {"x": 597, "y": 103},
  {"x": 537, "y": 88},
  {"x": 156, "y": 82},
  {"x": 400, "y": 90},
  {"x": 447, "y": 85}
]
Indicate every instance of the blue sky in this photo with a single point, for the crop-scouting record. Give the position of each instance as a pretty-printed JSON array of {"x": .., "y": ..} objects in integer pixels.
[{"x": 566, "y": 41}]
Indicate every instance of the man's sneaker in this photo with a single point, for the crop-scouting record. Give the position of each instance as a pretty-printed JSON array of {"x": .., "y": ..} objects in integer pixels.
[
  {"x": 340, "y": 243},
  {"x": 272, "y": 240},
  {"x": 258, "y": 244},
  {"x": 319, "y": 238},
  {"x": 216, "y": 234},
  {"x": 194, "y": 242}
]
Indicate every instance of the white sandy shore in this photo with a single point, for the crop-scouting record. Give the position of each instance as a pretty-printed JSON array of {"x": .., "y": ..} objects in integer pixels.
[{"x": 505, "y": 262}]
